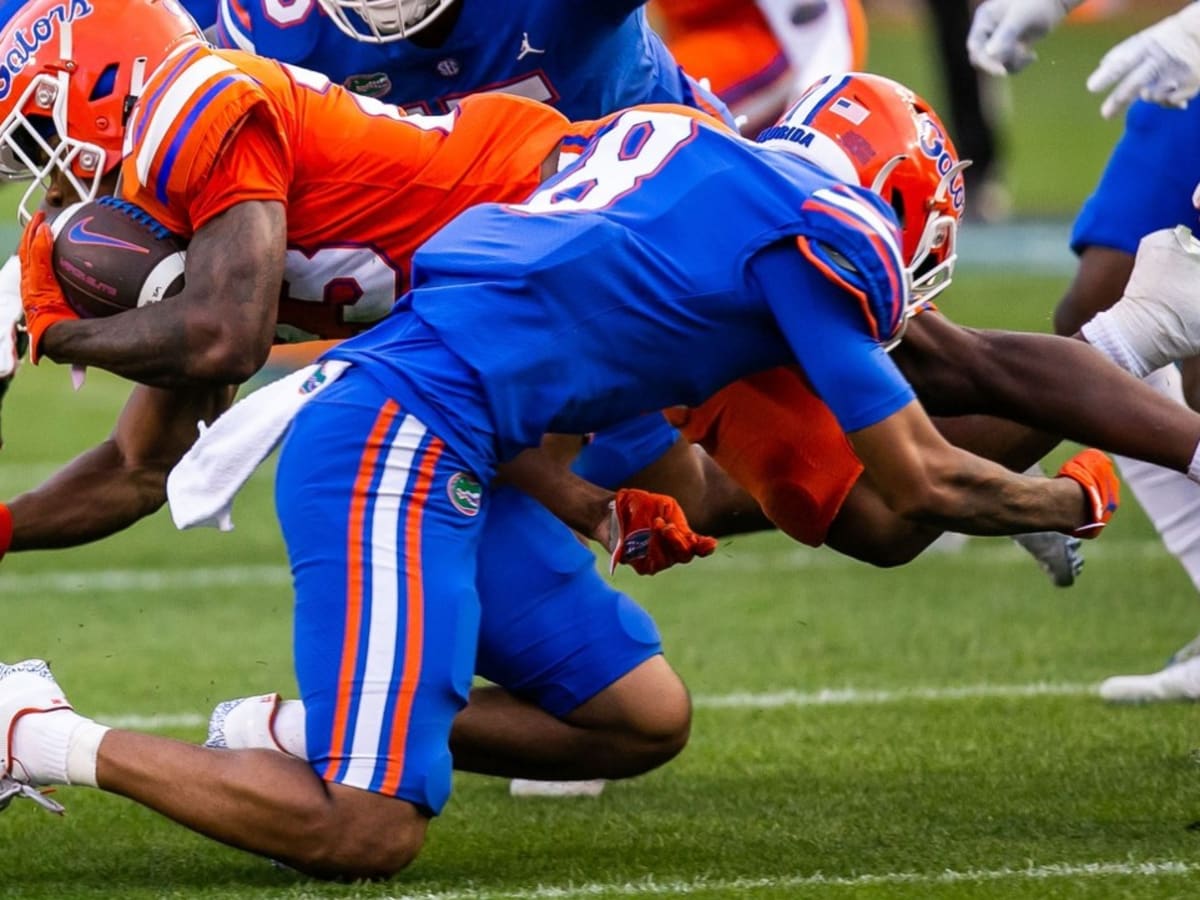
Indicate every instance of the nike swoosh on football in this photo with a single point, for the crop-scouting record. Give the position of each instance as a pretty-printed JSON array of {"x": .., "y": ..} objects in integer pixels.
[{"x": 80, "y": 235}]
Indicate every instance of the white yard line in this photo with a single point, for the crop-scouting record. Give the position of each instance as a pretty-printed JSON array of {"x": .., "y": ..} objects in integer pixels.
[
  {"x": 845, "y": 696},
  {"x": 732, "y": 557},
  {"x": 131, "y": 580},
  {"x": 849, "y": 696},
  {"x": 681, "y": 887}
]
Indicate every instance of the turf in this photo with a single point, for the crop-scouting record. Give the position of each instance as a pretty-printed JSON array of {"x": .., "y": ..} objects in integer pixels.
[{"x": 921, "y": 733}]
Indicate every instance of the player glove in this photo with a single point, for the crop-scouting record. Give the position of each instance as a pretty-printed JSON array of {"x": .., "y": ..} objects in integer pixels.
[
  {"x": 1094, "y": 472},
  {"x": 1160, "y": 64},
  {"x": 1003, "y": 30},
  {"x": 651, "y": 533},
  {"x": 40, "y": 293}
]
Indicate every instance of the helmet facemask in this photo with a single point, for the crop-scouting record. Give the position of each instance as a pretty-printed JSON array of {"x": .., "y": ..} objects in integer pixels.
[
  {"x": 383, "y": 21},
  {"x": 35, "y": 146},
  {"x": 931, "y": 264}
]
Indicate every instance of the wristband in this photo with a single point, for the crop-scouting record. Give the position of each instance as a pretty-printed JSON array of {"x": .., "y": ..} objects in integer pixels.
[{"x": 6, "y": 529}]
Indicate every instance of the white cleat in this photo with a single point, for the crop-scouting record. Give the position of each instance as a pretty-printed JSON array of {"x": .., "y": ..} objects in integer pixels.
[
  {"x": 264, "y": 722},
  {"x": 1059, "y": 555},
  {"x": 26, "y": 688},
  {"x": 1178, "y": 680},
  {"x": 528, "y": 787}
]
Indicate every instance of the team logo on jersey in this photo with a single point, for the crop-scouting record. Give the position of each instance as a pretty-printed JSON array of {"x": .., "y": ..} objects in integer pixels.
[
  {"x": 526, "y": 47},
  {"x": 369, "y": 84},
  {"x": 448, "y": 67},
  {"x": 465, "y": 493},
  {"x": 25, "y": 42},
  {"x": 314, "y": 382}
]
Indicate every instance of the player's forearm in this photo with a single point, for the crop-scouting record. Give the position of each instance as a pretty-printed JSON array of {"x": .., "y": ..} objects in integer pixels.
[
  {"x": 161, "y": 346},
  {"x": 547, "y": 477},
  {"x": 1057, "y": 385},
  {"x": 971, "y": 495},
  {"x": 218, "y": 330},
  {"x": 1066, "y": 386},
  {"x": 93, "y": 496}
]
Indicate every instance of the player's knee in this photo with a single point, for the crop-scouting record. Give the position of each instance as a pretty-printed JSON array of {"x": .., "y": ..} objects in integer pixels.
[
  {"x": 673, "y": 723},
  {"x": 663, "y": 725},
  {"x": 640, "y": 722},
  {"x": 370, "y": 837}
]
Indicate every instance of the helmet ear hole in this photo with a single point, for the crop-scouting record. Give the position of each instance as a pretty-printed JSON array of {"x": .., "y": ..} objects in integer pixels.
[
  {"x": 897, "y": 202},
  {"x": 106, "y": 83}
]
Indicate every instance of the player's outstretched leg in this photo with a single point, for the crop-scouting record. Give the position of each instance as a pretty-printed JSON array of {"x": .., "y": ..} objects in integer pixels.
[
  {"x": 1157, "y": 320},
  {"x": 266, "y": 803},
  {"x": 634, "y": 725}
]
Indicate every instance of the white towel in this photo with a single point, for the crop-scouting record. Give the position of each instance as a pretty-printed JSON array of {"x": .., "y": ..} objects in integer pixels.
[{"x": 201, "y": 487}]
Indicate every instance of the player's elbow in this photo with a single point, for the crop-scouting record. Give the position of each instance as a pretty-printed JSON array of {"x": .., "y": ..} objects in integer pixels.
[
  {"x": 924, "y": 498},
  {"x": 221, "y": 352}
]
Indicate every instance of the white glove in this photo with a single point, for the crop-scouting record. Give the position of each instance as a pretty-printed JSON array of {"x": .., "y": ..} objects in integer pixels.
[
  {"x": 1002, "y": 31},
  {"x": 1160, "y": 64}
]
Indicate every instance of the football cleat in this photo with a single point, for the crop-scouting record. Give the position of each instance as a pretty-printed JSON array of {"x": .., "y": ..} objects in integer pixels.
[
  {"x": 1179, "y": 679},
  {"x": 528, "y": 787},
  {"x": 242, "y": 723},
  {"x": 263, "y": 722},
  {"x": 26, "y": 688},
  {"x": 10, "y": 789},
  {"x": 1059, "y": 555}
]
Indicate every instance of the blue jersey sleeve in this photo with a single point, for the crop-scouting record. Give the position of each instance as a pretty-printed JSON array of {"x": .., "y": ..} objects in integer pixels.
[
  {"x": 203, "y": 11},
  {"x": 847, "y": 366},
  {"x": 613, "y": 10},
  {"x": 616, "y": 454}
]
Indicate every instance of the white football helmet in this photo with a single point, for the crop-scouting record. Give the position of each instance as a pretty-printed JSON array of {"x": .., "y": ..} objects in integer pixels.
[{"x": 382, "y": 21}]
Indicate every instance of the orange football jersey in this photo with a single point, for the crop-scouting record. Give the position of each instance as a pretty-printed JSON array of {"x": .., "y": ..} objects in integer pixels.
[{"x": 363, "y": 184}]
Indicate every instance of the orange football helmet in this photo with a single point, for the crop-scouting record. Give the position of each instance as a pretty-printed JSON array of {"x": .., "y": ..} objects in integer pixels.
[
  {"x": 875, "y": 132},
  {"x": 70, "y": 71}
]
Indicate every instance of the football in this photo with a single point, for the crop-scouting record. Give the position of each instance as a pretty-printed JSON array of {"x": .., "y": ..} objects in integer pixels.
[{"x": 110, "y": 256}]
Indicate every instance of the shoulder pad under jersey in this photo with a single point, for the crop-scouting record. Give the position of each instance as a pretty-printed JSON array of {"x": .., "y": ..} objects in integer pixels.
[
  {"x": 853, "y": 239},
  {"x": 189, "y": 107}
]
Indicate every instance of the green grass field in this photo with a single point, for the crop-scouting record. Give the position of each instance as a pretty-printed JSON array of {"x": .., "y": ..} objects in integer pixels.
[{"x": 930, "y": 732}]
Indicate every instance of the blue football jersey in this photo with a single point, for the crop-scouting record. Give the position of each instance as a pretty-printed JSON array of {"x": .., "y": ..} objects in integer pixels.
[
  {"x": 203, "y": 11},
  {"x": 629, "y": 283},
  {"x": 586, "y": 59}
]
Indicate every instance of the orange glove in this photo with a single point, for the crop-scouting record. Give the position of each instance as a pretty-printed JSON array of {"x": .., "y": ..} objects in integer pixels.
[
  {"x": 40, "y": 294},
  {"x": 1095, "y": 474},
  {"x": 651, "y": 533}
]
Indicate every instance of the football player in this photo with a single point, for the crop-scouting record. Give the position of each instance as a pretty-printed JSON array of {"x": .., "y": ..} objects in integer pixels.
[
  {"x": 1147, "y": 185},
  {"x": 257, "y": 176},
  {"x": 669, "y": 241},
  {"x": 426, "y": 55},
  {"x": 812, "y": 490}
]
